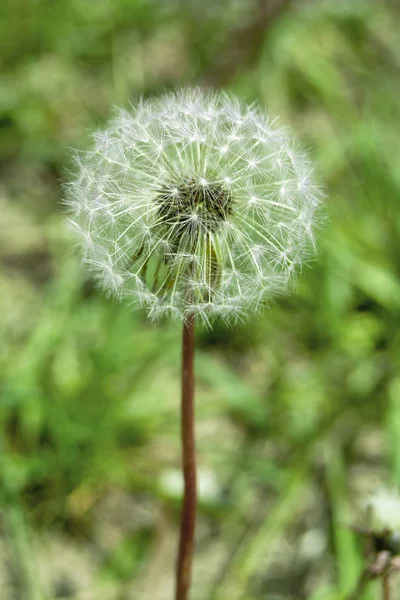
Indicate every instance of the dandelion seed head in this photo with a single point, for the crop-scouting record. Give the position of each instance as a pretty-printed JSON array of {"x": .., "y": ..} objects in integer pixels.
[
  {"x": 384, "y": 511},
  {"x": 194, "y": 203}
]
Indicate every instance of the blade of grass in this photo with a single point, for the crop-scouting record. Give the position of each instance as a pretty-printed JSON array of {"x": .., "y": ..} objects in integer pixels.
[
  {"x": 348, "y": 560},
  {"x": 257, "y": 547},
  {"x": 26, "y": 579}
]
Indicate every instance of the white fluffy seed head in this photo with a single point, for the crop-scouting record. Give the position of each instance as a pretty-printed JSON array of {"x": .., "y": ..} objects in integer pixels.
[
  {"x": 383, "y": 509},
  {"x": 194, "y": 203}
]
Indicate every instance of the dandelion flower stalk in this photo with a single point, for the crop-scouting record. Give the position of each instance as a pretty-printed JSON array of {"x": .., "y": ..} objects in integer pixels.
[
  {"x": 196, "y": 207},
  {"x": 188, "y": 516}
]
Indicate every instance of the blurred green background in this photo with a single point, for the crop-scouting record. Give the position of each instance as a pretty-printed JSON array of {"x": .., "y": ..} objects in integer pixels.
[{"x": 298, "y": 409}]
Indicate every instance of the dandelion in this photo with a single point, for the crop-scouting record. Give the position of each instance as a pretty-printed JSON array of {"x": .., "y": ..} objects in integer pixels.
[
  {"x": 196, "y": 207},
  {"x": 383, "y": 509},
  {"x": 383, "y": 536}
]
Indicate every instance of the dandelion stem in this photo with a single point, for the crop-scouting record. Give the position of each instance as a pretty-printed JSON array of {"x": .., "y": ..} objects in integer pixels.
[{"x": 188, "y": 516}]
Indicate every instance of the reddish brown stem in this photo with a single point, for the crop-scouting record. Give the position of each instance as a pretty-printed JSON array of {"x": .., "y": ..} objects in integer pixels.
[{"x": 188, "y": 516}]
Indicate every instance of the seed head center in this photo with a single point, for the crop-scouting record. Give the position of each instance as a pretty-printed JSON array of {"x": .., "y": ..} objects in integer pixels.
[{"x": 193, "y": 208}]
